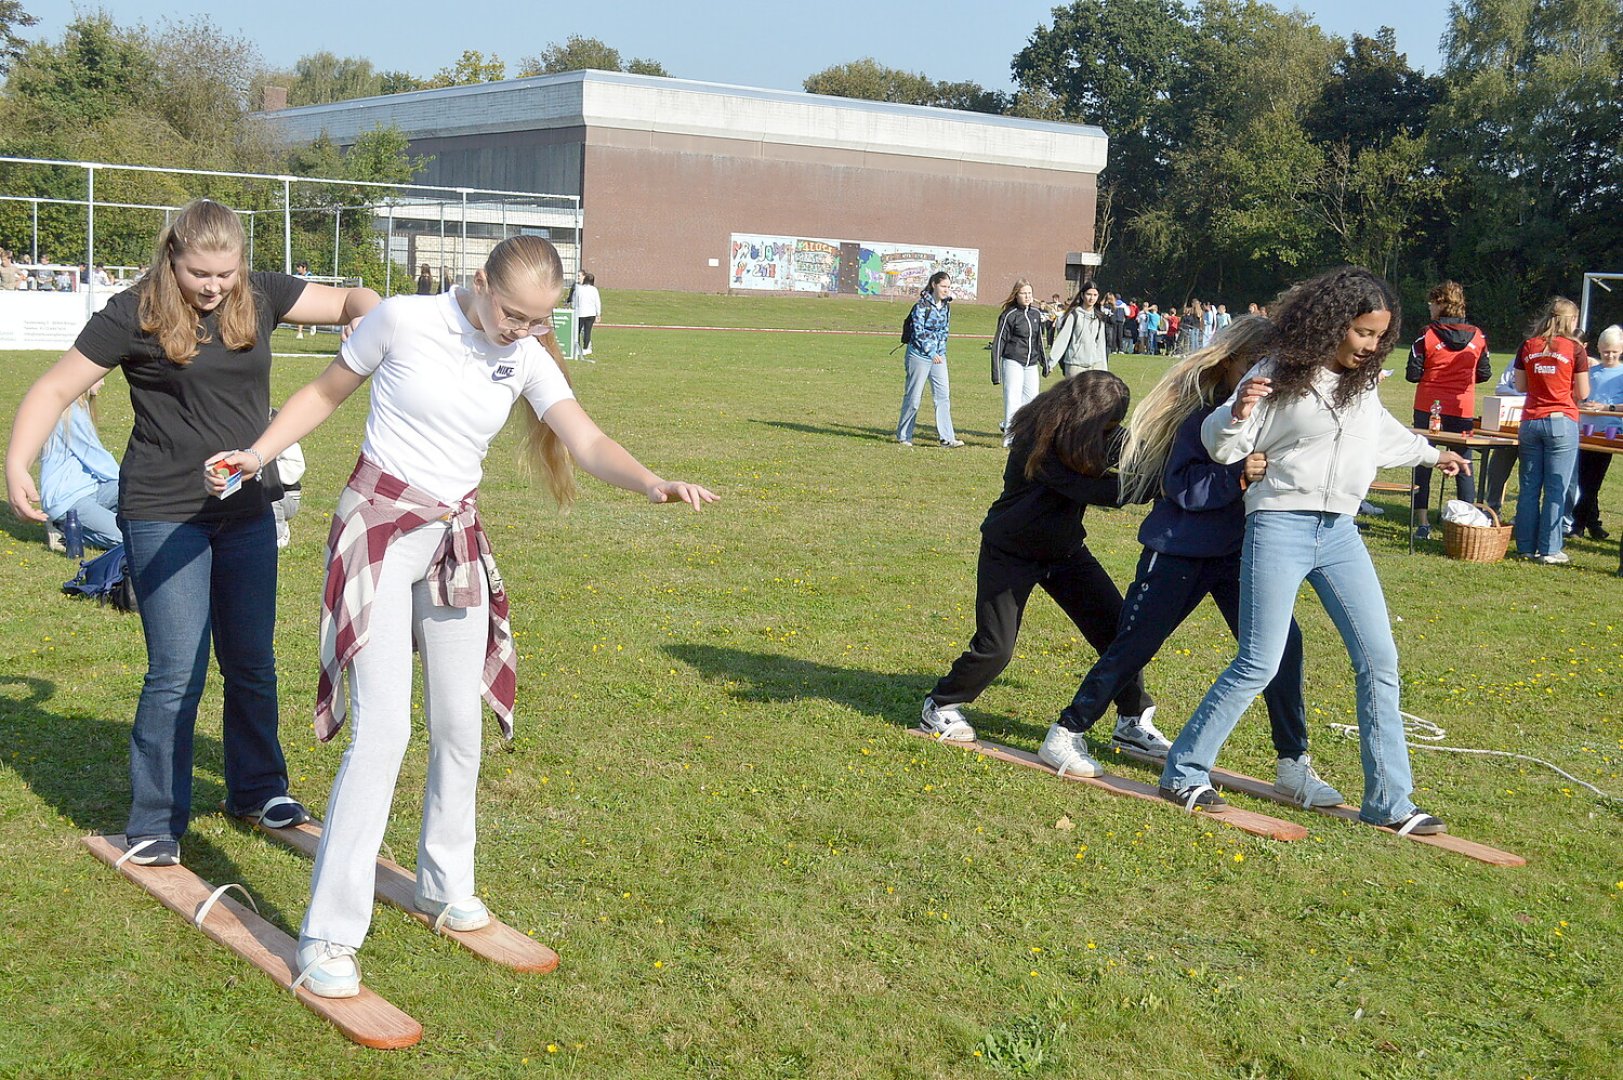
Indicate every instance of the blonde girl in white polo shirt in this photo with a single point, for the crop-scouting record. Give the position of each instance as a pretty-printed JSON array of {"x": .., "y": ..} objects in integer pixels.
[{"x": 409, "y": 560}]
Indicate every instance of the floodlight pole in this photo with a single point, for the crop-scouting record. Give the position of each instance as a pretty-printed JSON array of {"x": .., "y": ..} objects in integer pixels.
[
  {"x": 388, "y": 251},
  {"x": 287, "y": 225},
  {"x": 90, "y": 232}
]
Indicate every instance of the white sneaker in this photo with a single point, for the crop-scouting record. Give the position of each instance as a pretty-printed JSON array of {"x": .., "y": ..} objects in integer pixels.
[
  {"x": 1559, "y": 558},
  {"x": 1367, "y": 507},
  {"x": 1067, "y": 752},
  {"x": 327, "y": 969},
  {"x": 1297, "y": 780},
  {"x": 1140, "y": 733},
  {"x": 945, "y": 722},
  {"x": 586, "y": 351},
  {"x": 469, "y": 914}
]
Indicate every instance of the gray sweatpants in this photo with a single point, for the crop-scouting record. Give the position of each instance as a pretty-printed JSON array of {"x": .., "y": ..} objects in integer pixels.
[{"x": 451, "y": 642}]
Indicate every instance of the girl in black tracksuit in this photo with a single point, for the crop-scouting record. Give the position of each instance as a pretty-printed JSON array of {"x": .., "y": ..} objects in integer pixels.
[{"x": 1033, "y": 535}]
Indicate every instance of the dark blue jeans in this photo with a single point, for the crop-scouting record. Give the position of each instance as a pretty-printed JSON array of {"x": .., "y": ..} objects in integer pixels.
[
  {"x": 197, "y": 581},
  {"x": 1167, "y": 589}
]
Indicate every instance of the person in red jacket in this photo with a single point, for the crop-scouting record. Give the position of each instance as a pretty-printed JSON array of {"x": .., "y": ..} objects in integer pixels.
[{"x": 1447, "y": 360}]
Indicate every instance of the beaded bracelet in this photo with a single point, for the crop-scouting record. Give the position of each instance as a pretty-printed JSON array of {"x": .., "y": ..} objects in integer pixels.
[{"x": 258, "y": 468}]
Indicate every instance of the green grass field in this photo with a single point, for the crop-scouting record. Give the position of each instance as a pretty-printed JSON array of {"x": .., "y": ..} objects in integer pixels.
[{"x": 715, "y": 815}]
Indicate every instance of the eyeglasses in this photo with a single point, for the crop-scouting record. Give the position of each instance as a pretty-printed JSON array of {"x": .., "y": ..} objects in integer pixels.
[{"x": 512, "y": 323}]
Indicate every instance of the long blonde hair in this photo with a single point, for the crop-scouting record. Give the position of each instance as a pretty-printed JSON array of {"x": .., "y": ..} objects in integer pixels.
[
  {"x": 1558, "y": 318},
  {"x": 522, "y": 261},
  {"x": 201, "y": 225},
  {"x": 1192, "y": 383},
  {"x": 1014, "y": 296}
]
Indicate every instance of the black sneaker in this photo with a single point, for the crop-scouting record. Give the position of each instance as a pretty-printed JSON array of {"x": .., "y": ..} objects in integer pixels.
[
  {"x": 1419, "y": 823},
  {"x": 1195, "y": 797},
  {"x": 279, "y": 812},
  {"x": 1598, "y": 533},
  {"x": 153, "y": 853}
]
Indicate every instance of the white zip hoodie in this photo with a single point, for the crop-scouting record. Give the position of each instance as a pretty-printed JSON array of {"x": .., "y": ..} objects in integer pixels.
[{"x": 1319, "y": 458}]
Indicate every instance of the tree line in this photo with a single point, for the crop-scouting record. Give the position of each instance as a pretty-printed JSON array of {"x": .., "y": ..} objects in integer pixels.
[{"x": 1247, "y": 146}]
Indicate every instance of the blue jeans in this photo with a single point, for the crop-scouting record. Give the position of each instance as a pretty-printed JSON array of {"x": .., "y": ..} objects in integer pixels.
[
  {"x": 1282, "y": 549},
  {"x": 1549, "y": 459},
  {"x": 194, "y": 581},
  {"x": 98, "y": 516},
  {"x": 919, "y": 370},
  {"x": 1166, "y": 591}
]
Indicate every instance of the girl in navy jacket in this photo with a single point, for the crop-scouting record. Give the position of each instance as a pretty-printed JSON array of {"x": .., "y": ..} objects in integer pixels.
[{"x": 1191, "y": 541}]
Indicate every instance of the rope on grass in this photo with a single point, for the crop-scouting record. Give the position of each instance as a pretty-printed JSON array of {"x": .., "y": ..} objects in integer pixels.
[{"x": 1422, "y": 734}]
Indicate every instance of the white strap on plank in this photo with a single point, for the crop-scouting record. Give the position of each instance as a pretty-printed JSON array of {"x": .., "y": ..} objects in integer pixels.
[
  {"x": 208, "y": 905},
  {"x": 1195, "y": 793},
  {"x": 134, "y": 850}
]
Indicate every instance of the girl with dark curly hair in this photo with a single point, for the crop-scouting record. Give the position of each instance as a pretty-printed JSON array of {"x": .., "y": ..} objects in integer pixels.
[
  {"x": 1312, "y": 409},
  {"x": 1064, "y": 443}
]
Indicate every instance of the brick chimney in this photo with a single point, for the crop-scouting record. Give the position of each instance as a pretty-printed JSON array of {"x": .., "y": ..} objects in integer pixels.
[{"x": 274, "y": 99}]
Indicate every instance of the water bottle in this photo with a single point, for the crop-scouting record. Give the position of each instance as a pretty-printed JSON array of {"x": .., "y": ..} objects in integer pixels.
[
  {"x": 1436, "y": 421},
  {"x": 73, "y": 537}
]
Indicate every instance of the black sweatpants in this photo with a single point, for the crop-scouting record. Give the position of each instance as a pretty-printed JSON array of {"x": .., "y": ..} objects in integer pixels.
[
  {"x": 1003, "y": 584},
  {"x": 1167, "y": 589},
  {"x": 1592, "y": 466}
]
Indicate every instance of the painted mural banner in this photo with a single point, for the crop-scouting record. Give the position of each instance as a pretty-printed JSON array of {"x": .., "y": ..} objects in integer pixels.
[
  {"x": 904, "y": 269},
  {"x": 851, "y": 267}
]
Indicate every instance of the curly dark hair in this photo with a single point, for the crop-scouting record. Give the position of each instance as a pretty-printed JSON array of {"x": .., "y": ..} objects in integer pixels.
[
  {"x": 1314, "y": 316},
  {"x": 1077, "y": 421}
]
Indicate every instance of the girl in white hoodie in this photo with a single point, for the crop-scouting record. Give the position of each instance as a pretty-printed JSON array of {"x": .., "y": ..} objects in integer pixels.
[{"x": 1313, "y": 409}]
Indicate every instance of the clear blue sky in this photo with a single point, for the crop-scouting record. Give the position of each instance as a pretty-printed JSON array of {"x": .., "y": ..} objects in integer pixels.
[{"x": 765, "y": 43}]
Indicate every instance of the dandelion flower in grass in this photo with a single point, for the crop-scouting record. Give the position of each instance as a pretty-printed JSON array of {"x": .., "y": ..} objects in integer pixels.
[
  {"x": 1239, "y": 856},
  {"x": 659, "y": 964},
  {"x": 552, "y": 1048}
]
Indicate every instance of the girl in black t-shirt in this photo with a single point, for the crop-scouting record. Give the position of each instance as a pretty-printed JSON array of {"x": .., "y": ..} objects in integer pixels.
[{"x": 193, "y": 340}]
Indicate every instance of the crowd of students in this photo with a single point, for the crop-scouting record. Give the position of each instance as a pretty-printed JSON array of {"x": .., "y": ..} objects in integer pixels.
[{"x": 1255, "y": 451}]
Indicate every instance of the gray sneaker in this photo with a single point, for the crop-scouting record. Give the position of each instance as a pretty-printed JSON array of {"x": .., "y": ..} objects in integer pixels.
[
  {"x": 945, "y": 722},
  {"x": 1067, "y": 752},
  {"x": 953, "y": 443},
  {"x": 1140, "y": 733},
  {"x": 1298, "y": 782}
]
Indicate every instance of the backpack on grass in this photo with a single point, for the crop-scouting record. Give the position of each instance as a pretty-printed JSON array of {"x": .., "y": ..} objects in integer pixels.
[{"x": 106, "y": 578}]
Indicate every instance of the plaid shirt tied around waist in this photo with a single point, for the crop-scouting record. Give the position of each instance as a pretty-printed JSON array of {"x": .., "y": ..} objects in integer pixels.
[{"x": 374, "y": 509}]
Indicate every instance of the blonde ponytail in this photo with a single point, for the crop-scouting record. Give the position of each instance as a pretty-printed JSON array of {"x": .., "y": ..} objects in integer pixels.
[
  {"x": 532, "y": 261},
  {"x": 1190, "y": 384}
]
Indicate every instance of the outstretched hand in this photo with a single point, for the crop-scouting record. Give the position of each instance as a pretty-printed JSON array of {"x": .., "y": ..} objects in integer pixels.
[
  {"x": 680, "y": 490},
  {"x": 24, "y": 498},
  {"x": 1452, "y": 464}
]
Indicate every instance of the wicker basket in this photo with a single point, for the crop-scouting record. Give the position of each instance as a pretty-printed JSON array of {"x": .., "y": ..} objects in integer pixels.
[{"x": 1477, "y": 543}]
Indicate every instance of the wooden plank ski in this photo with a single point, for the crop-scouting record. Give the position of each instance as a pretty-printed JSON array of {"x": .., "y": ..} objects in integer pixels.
[
  {"x": 1228, "y": 780},
  {"x": 1249, "y": 821},
  {"x": 366, "y": 1018},
  {"x": 498, "y": 942}
]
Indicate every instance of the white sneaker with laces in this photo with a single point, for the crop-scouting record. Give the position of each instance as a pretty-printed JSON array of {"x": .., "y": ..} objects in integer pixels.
[
  {"x": 1067, "y": 752},
  {"x": 469, "y": 914},
  {"x": 945, "y": 722},
  {"x": 1297, "y": 781},
  {"x": 327, "y": 969},
  {"x": 1140, "y": 733}
]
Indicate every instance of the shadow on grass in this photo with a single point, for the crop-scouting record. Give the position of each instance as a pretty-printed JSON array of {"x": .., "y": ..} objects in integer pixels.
[
  {"x": 79, "y": 765},
  {"x": 871, "y": 434},
  {"x": 770, "y": 678}
]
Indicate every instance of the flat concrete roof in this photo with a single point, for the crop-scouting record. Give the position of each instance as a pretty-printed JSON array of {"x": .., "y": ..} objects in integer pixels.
[{"x": 604, "y": 99}]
